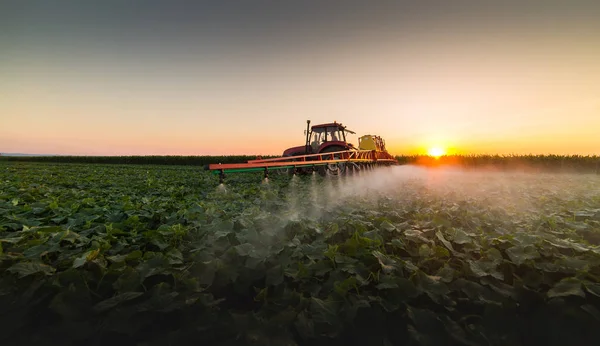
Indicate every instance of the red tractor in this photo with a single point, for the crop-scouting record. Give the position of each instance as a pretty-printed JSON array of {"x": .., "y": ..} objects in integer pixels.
[{"x": 323, "y": 138}]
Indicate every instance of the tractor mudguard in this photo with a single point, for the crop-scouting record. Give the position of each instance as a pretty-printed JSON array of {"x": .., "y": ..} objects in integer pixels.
[
  {"x": 294, "y": 151},
  {"x": 329, "y": 147}
]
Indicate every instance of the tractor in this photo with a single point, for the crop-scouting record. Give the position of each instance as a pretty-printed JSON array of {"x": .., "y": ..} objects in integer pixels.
[{"x": 324, "y": 138}]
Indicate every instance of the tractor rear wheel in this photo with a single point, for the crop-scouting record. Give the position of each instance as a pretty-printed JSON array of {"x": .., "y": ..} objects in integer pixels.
[{"x": 333, "y": 168}]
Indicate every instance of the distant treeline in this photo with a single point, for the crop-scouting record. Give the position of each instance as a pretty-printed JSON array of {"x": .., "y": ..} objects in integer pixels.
[
  {"x": 565, "y": 163},
  {"x": 526, "y": 162}
]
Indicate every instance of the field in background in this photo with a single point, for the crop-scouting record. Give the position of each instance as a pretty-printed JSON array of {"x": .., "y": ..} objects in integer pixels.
[
  {"x": 570, "y": 163},
  {"x": 156, "y": 255},
  {"x": 139, "y": 160}
]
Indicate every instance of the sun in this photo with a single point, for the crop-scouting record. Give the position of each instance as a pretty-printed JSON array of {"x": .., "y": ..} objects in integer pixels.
[{"x": 436, "y": 152}]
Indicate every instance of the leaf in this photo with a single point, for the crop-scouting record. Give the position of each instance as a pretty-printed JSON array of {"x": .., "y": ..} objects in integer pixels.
[
  {"x": 175, "y": 256},
  {"x": 343, "y": 287},
  {"x": 472, "y": 289},
  {"x": 431, "y": 284},
  {"x": 117, "y": 258},
  {"x": 460, "y": 237},
  {"x": 35, "y": 252},
  {"x": 24, "y": 269},
  {"x": 160, "y": 243},
  {"x": 519, "y": 254},
  {"x": 441, "y": 252},
  {"x": 116, "y": 300},
  {"x": 387, "y": 264},
  {"x": 476, "y": 268},
  {"x": 494, "y": 255},
  {"x": 86, "y": 257},
  {"x": 446, "y": 274},
  {"x": 593, "y": 288},
  {"x": 129, "y": 280},
  {"x": 244, "y": 249},
  {"x": 573, "y": 264},
  {"x": 398, "y": 243},
  {"x": 324, "y": 311},
  {"x": 387, "y": 282},
  {"x": 274, "y": 276},
  {"x": 483, "y": 268},
  {"x": 387, "y": 226},
  {"x": 568, "y": 244},
  {"x": 499, "y": 287},
  {"x": 254, "y": 263},
  {"x": 50, "y": 229},
  {"x": 133, "y": 255},
  {"x": 11, "y": 240},
  {"x": 78, "y": 262},
  {"x": 525, "y": 239},
  {"x": 446, "y": 243},
  {"x": 153, "y": 266},
  {"x": 425, "y": 251},
  {"x": 566, "y": 287},
  {"x": 386, "y": 285},
  {"x": 416, "y": 236}
]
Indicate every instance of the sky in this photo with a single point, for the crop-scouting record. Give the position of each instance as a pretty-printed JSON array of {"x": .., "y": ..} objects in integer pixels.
[{"x": 242, "y": 77}]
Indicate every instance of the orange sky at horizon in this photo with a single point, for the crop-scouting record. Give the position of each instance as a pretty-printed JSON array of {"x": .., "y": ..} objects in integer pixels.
[{"x": 481, "y": 87}]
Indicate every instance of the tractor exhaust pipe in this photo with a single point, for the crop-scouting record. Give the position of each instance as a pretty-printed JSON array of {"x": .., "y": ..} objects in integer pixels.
[{"x": 307, "y": 149}]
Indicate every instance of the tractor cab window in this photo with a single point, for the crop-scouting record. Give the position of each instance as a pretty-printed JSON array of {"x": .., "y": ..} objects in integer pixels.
[
  {"x": 318, "y": 136},
  {"x": 335, "y": 134},
  {"x": 322, "y": 135},
  {"x": 316, "y": 140}
]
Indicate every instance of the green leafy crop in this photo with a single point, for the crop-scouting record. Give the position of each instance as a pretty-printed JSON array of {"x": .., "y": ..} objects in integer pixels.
[{"x": 162, "y": 255}]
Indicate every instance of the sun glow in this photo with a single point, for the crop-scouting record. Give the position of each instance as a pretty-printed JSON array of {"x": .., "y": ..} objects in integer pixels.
[{"x": 436, "y": 152}]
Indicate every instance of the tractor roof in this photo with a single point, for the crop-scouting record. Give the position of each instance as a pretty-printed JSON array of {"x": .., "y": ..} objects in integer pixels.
[{"x": 333, "y": 124}]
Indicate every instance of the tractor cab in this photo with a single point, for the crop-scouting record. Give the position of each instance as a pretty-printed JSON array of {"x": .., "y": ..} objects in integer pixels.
[
  {"x": 325, "y": 135},
  {"x": 322, "y": 138}
]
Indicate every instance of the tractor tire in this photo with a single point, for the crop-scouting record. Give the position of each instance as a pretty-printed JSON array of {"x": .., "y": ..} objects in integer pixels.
[{"x": 333, "y": 169}]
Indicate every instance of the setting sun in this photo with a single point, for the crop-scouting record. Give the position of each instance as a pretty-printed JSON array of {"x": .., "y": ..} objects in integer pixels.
[{"x": 436, "y": 152}]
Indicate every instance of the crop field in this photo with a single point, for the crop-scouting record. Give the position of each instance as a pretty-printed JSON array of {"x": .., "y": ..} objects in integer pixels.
[{"x": 163, "y": 255}]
